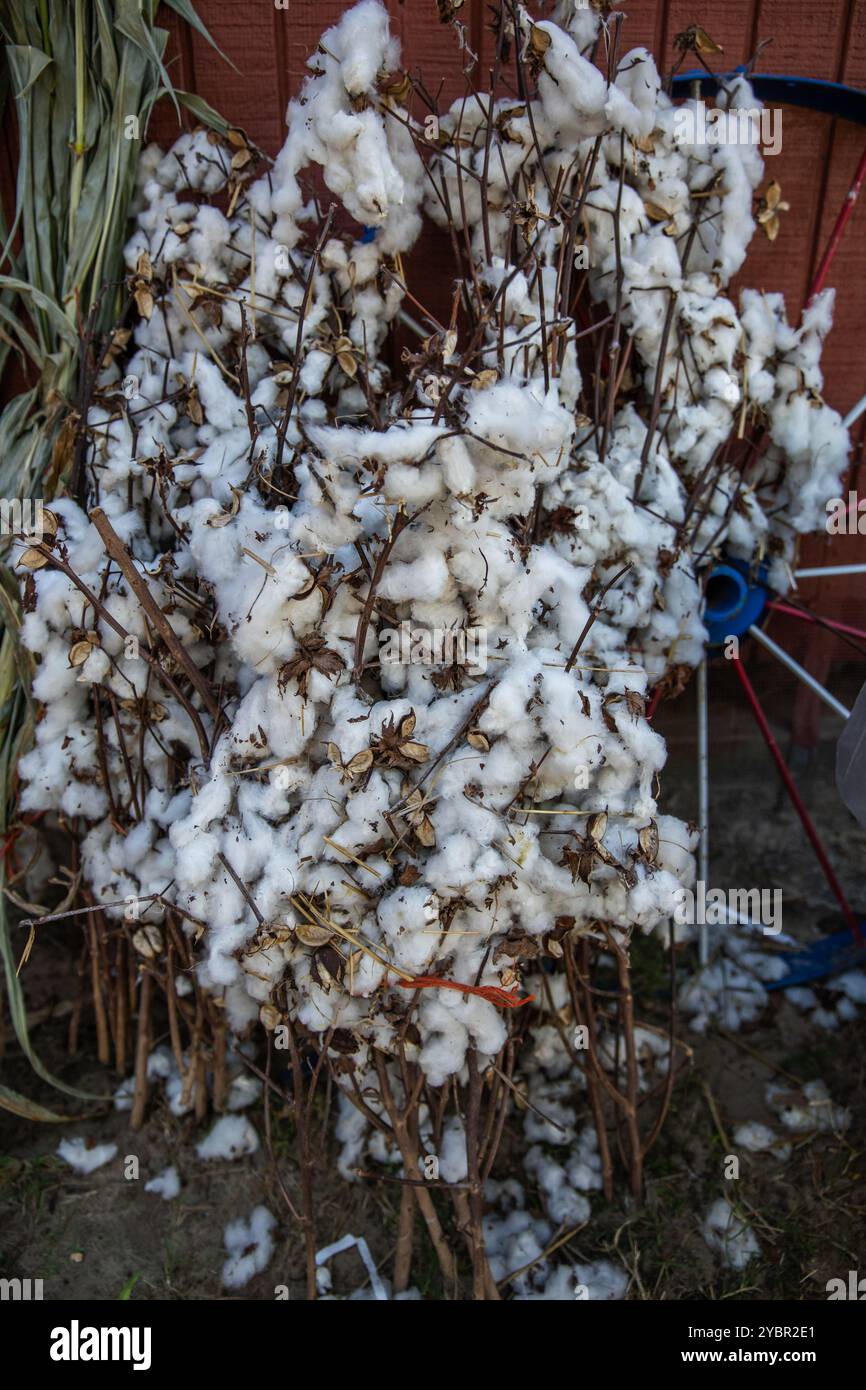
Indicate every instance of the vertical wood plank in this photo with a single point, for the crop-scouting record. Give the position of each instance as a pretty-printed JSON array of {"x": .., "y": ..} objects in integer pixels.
[
  {"x": 165, "y": 125},
  {"x": 247, "y": 94}
]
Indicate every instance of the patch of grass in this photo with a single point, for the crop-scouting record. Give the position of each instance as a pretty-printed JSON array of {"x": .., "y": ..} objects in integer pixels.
[
  {"x": 283, "y": 1133},
  {"x": 813, "y": 1061},
  {"x": 650, "y": 971},
  {"x": 24, "y": 1181}
]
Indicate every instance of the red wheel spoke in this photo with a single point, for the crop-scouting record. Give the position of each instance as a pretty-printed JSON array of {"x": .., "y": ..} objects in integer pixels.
[
  {"x": 838, "y": 230},
  {"x": 816, "y": 618},
  {"x": 797, "y": 802}
]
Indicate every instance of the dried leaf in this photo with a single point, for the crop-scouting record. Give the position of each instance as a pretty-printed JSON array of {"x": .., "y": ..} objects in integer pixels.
[
  {"x": 539, "y": 43},
  {"x": 326, "y": 977},
  {"x": 635, "y": 703},
  {"x": 482, "y": 380},
  {"x": 223, "y": 518},
  {"x": 193, "y": 407},
  {"x": 311, "y": 934},
  {"x": 392, "y": 746},
  {"x": 418, "y": 752},
  {"x": 518, "y": 946},
  {"x": 144, "y": 302},
  {"x": 417, "y": 817},
  {"x": 361, "y": 763},
  {"x": 312, "y": 655},
  {"x": 79, "y": 653},
  {"x": 148, "y": 941},
  {"x": 648, "y": 839},
  {"x": 703, "y": 42},
  {"x": 32, "y": 559},
  {"x": 398, "y": 88}
]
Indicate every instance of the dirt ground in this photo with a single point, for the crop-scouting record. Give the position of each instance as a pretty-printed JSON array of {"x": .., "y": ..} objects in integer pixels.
[{"x": 103, "y": 1237}]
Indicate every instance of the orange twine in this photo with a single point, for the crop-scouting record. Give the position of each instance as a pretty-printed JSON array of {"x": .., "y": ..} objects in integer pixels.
[{"x": 502, "y": 998}]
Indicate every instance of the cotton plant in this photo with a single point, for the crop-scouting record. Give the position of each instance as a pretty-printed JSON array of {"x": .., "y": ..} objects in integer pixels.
[{"x": 293, "y": 819}]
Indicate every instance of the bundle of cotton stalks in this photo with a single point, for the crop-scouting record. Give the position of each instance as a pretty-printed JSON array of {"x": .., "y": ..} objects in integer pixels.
[{"x": 342, "y": 668}]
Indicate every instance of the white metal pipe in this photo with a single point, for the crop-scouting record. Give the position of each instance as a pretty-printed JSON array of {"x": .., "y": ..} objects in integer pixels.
[
  {"x": 854, "y": 413},
  {"x": 412, "y": 323},
  {"x": 821, "y": 571},
  {"x": 703, "y": 801},
  {"x": 798, "y": 670}
]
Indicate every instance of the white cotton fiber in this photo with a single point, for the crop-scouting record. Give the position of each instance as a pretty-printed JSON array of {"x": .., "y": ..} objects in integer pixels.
[
  {"x": 730, "y": 1235},
  {"x": 84, "y": 1157},
  {"x": 250, "y": 1245},
  {"x": 166, "y": 1184},
  {"x": 231, "y": 1137}
]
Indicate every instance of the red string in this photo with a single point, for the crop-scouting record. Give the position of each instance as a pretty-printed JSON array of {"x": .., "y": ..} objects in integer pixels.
[
  {"x": 502, "y": 998},
  {"x": 798, "y": 802},
  {"x": 653, "y": 704},
  {"x": 836, "y": 235}
]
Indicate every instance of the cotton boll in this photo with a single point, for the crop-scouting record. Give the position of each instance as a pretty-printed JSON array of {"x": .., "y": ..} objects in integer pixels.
[
  {"x": 408, "y": 917},
  {"x": 571, "y": 89},
  {"x": 425, "y": 579},
  {"x": 446, "y": 1041},
  {"x": 244, "y": 1090},
  {"x": 452, "y": 1152},
  {"x": 457, "y": 468},
  {"x": 562, "y": 1203},
  {"x": 123, "y": 1096},
  {"x": 730, "y": 1235},
  {"x": 351, "y": 1132},
  {"x": 250, "y": 1245},
  {"x": 231, "y": 1137},
  {"x": 757, "y": 1138},
  {"x": 811, "y": 1109},
  {"x": 166, "y": 1184},
  {"x": 513, "y": 1240},
  {"x": 846, "y": 1011},
  {"x": 801, "y": 997},
  {"x": 85, "y": 1157},
  {"x": 852, "y": 984}
]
